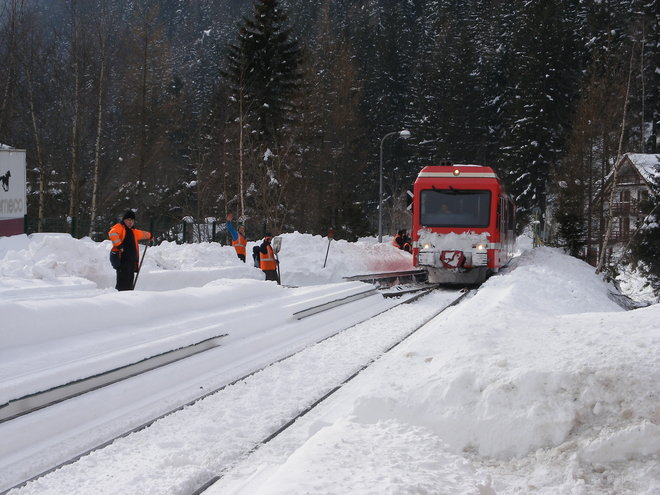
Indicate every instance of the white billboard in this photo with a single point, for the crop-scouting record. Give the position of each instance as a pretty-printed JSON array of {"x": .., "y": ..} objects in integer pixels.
[{"x": 13, "y": 203}]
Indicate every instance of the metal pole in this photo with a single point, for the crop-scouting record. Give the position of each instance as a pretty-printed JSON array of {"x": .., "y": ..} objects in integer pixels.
[{"x": 380, "y": 189}]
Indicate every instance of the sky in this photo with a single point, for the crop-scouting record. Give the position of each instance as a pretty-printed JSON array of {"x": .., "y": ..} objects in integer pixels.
[{"x": 539, "y": 382}]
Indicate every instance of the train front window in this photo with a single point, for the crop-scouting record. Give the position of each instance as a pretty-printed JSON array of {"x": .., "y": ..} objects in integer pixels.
[{"x": 454, "y": 208}]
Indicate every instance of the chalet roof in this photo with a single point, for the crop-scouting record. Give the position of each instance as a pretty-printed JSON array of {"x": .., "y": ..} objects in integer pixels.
[{"x": 647, "y": 164}]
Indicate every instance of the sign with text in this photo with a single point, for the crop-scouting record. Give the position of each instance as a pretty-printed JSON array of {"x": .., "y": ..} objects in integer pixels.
[{"x": 13, "y": 203}]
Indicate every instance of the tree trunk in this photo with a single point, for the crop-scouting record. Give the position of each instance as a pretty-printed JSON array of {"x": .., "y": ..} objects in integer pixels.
[
  {"x": 75, "y": 173},
  {"x": 143, "y": 111},
  {"x": 241, "y": 116},
  {"x": 43, "y": 176},
  {"x": 9, "y": 83},
  {"x": 97, "y": 144},
  {"x": 74, "y": 178},
  {"x": 609, "y": 215}
]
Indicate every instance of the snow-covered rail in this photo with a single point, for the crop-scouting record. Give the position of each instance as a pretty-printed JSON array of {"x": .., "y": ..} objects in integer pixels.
[
  {"x": 319, "y": 400},
  {"x": 32, "y": 402},
  {"x": 387, "y": 279},
  {"x": 146, "y": 390},
  {"x": 324, "y": 306}
]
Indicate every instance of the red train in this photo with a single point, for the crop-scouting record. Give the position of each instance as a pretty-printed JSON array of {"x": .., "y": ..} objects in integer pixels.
[{"x": 463, "y": 223}]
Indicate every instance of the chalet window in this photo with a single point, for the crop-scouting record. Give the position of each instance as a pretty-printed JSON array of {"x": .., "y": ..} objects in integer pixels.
[{"x": 625, "y": 227}]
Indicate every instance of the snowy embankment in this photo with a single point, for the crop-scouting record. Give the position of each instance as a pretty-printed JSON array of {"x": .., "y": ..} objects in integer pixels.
[
  {"x": 539, "y": 383},
  {"x": 39, "y": 264}
]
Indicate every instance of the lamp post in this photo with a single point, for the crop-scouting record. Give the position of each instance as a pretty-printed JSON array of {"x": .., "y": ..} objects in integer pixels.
[{"x": 404, "y": 134}]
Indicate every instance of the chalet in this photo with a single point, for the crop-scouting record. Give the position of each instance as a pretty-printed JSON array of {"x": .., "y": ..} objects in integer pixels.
[{"x": 636, "y": 172}]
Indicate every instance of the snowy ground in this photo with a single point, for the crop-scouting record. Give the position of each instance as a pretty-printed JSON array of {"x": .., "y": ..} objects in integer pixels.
[{"x": 540, "y": 383}]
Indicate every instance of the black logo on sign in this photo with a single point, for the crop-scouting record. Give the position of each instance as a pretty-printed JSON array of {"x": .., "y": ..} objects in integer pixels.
[{"x": 5, "y": 180}]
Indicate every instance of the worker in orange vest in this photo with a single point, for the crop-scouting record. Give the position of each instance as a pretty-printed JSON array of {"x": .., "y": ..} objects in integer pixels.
[
  {"x": 125, "y": 249},
  {"x": 239, "y": 240},
  {"x": 268, "y": 262},
  {"x": 402, "y": 241}
]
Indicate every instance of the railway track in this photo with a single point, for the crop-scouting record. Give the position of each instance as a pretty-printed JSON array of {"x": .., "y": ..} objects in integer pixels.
[
  {"x": 390, "y": 279},
  {"x": 320, "y": 400},
  {"x": 35, "y": 404}
]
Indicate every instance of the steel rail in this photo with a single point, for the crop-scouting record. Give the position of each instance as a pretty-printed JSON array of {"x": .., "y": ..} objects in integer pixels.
[
  {"x": 400, "y": 290},
  {"x": 33, "y": 402},
  {"x": 413, "y": 275},
  {"x": 299, "y": 315}
]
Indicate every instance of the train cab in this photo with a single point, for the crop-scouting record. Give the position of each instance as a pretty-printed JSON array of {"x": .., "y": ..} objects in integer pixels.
[{"x": 463, "y": 223}]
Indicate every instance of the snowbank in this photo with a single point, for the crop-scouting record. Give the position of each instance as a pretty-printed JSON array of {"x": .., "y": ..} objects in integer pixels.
[
  {"x": 39, "y": 261},
  {"x": 540, "y": 383}
]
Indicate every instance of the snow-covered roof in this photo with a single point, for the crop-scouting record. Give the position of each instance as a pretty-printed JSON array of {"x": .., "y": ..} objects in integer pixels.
[
  {"x": 5, "y": 147},
  {"x": 648, "y": 164}
]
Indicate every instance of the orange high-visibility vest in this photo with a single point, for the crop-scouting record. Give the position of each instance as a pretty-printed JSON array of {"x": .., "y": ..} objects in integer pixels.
[
  {"x": 267, "y": 261},
  {"x": 118, "y": 232},
  {"x": 239, "y": 244}
]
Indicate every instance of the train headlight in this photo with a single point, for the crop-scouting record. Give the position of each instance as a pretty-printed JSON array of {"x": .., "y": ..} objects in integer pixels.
[
  {"x": 427, "y": 245},
  {"x": 480, "y": 254},
  {"x": 457, "y": 172}
]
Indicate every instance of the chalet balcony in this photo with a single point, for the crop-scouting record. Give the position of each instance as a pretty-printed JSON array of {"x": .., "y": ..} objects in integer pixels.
[{"x": 625, "y": 208}]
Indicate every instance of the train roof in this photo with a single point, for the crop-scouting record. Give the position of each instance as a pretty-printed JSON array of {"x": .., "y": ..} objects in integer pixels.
[{"x": 457, "y": 170}]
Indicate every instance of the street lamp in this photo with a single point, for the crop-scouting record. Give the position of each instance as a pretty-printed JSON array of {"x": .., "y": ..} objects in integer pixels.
[{"x": 405, "y": 134}]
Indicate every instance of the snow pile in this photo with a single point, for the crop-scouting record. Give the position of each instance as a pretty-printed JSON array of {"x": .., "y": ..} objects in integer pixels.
[
  {"x": 302, "y": 258},
  {"x": 43, "y": 260},
  {"x": 540, "y": 383},
  {"x": 525, "y": 396},
  {"x": 633, "y": 284}
]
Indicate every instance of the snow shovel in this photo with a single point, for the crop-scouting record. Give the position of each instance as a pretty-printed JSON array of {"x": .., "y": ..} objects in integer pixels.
[
  {"x": 277, "y": 245},
  {"x": 331, "y": 234},
  {"x": 140, "y": 265}
]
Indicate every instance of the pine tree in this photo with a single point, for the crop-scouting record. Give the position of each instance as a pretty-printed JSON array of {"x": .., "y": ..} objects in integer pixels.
[
  {"x": 538, "y": 105},
  {"x": 448, "y": 88},
  {"x": 265, "y": 78},
  {"x": 646, "y": 246},
  {"x": 331, "y": 136}
]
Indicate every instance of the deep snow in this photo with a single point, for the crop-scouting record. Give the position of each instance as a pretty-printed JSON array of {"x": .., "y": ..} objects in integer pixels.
[{"x": 539, "y": 383}]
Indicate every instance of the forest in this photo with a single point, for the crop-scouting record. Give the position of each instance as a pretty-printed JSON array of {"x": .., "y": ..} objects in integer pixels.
[{"x": 278, "y": 110}]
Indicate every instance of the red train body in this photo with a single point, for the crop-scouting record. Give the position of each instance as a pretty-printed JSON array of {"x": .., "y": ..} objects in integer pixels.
[{"x": 463, "y": 223}]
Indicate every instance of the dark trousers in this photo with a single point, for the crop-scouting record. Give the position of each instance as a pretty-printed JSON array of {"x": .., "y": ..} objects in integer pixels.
[
  {"x": 125, "y": 276},
  {"x": 271, "y": 275},
  {"x": 241, "y": 257}
]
